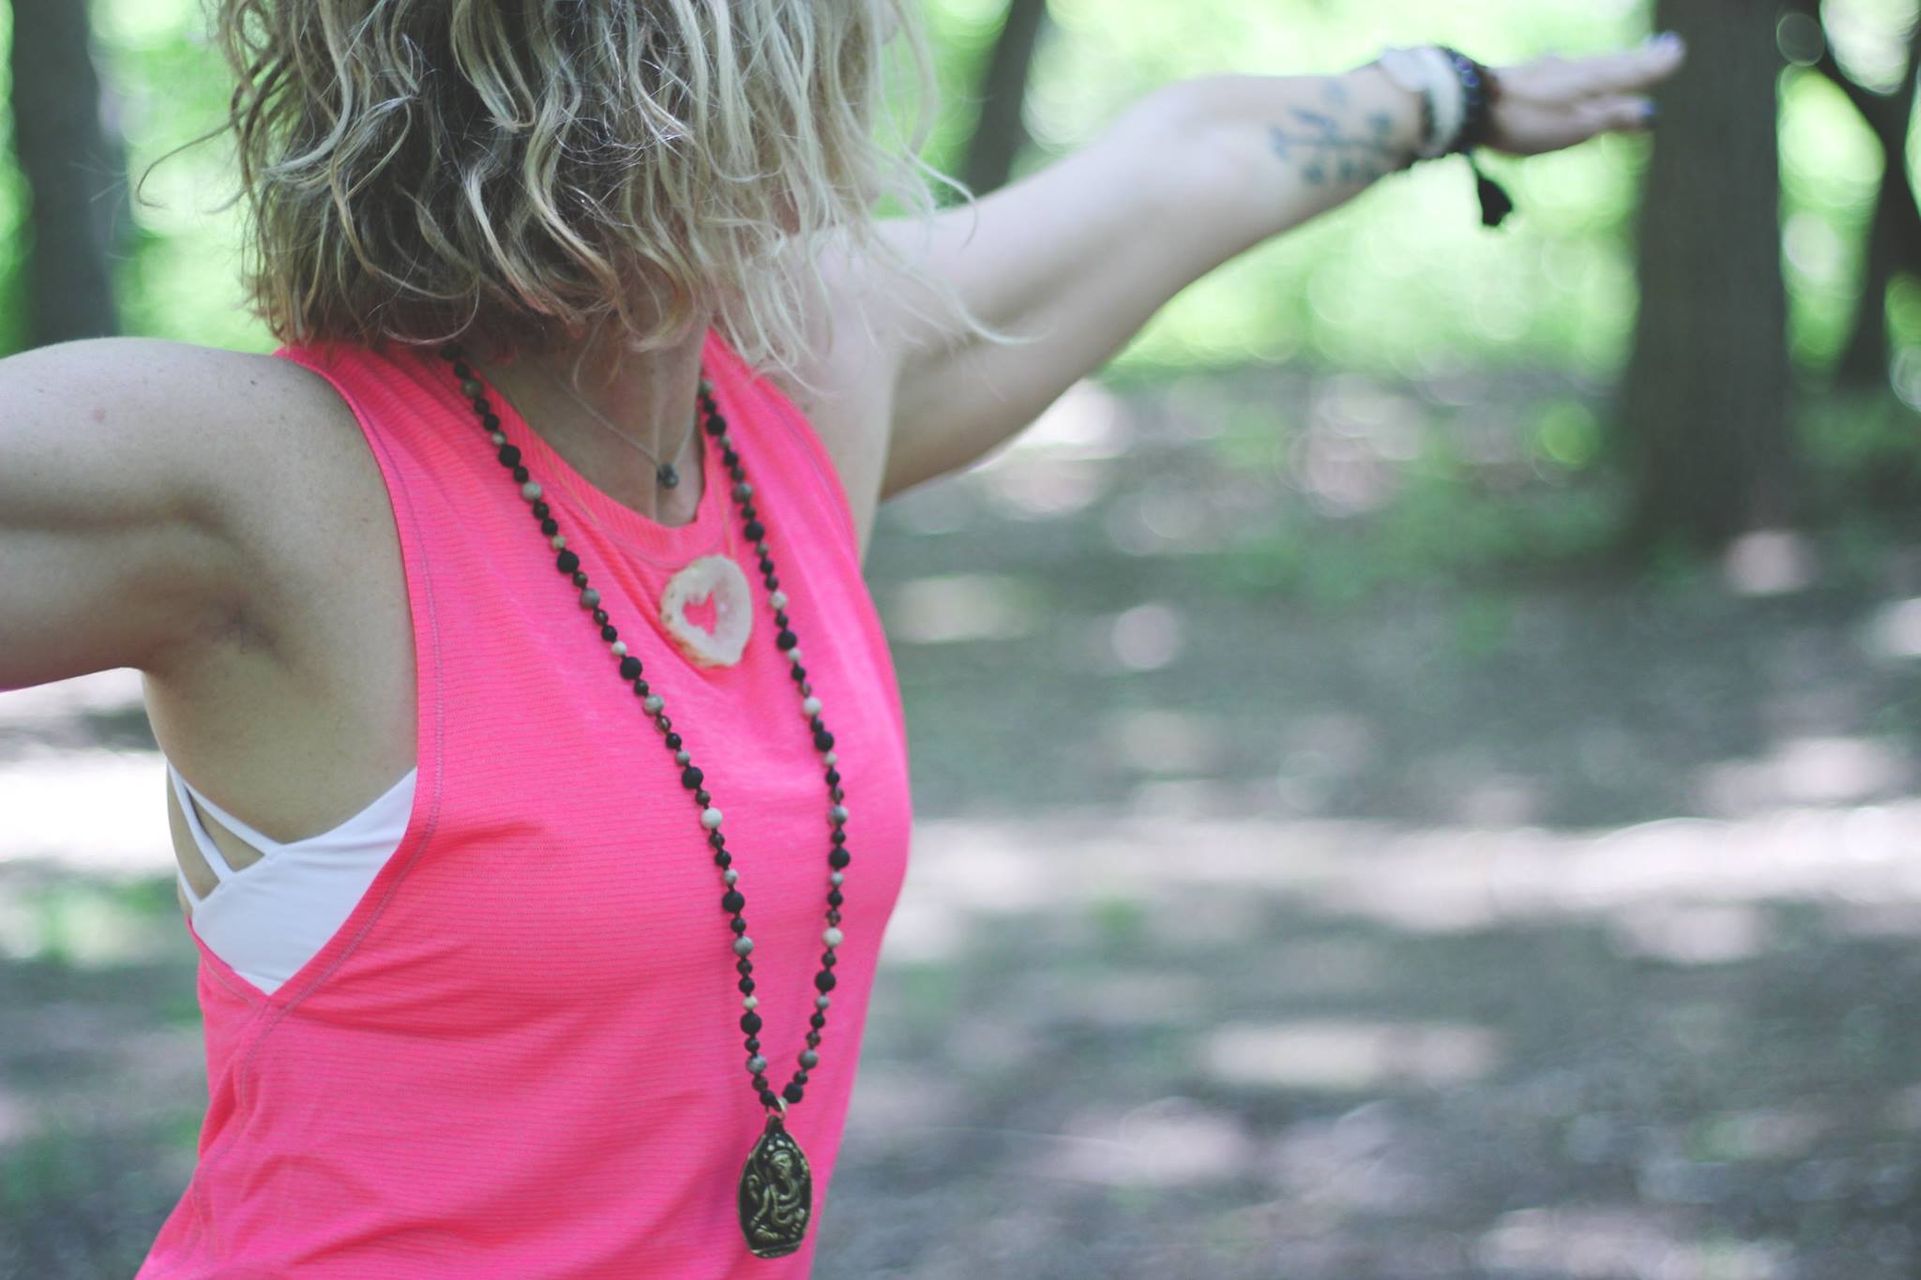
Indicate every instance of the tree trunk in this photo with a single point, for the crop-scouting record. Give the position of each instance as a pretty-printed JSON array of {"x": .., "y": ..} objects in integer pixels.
[
  {"x": 1894, "y": 235},
  {"x": 1705, "y": 402},
  {"x": 75, "y": 175},
  {"x": 1864, "y": 358},
  {"x": 1000, "y": 132}
]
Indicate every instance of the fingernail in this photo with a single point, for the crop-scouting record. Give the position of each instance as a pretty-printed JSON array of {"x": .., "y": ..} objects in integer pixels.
[{"x": 1666, "y": 40}]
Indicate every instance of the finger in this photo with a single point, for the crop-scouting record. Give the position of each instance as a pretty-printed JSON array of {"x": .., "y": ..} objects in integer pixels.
[
  {"x": 1619, "y": 113},
  {"x": 1631, "y": 70}
]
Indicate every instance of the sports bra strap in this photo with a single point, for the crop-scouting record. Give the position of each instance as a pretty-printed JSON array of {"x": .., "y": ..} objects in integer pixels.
[{"x": 266, "y": 845}]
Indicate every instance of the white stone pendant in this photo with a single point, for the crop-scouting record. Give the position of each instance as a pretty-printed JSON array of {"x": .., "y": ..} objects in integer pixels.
[{"x": 715, "y": 592}]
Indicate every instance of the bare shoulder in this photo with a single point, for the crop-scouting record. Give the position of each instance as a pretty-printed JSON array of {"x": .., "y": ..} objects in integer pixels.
[
  {"x": 149, "y": 493},
  {"x": 291, "y": 479},
  {"x": 179, "y": 381},
  {"x": 216, "y": 423},
  {"x": 260, "y": 440}
]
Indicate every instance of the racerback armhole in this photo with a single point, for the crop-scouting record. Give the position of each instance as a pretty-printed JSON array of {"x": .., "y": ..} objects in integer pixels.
[{"x": 347, "y": 372}]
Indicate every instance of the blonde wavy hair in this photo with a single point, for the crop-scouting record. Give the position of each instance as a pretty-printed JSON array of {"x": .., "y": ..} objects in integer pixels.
[{"x": 530, "y": 172}]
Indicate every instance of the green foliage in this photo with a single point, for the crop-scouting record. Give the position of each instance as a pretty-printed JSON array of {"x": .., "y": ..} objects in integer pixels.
[
  {"x": 1404, "y": 279},
  {"x": 1400, "y": 282},
  {"x": 181, "y": 278},
  {"x": 1402, "y": 285},
  {"x": 1863, "y": 451},
  {"x": 1830, "y": 167},
  {"x": 1464, "y": 484}
]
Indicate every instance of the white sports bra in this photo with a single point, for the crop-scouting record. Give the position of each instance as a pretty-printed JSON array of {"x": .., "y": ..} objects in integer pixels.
[{"x": 269, "y": 918}]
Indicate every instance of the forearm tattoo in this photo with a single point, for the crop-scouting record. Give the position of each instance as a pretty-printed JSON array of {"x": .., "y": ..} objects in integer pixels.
[{"x": 1330, "y": 146}]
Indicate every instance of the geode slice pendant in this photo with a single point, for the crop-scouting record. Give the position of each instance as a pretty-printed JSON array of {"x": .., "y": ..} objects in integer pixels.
[
  {"x": 719, "y": 578},
  {"x": 776, "y": 1193}
]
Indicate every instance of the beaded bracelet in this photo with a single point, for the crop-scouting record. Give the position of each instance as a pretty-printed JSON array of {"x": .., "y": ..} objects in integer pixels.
[
  {"x": 1457, "y": 97},
  {"x": 1426, "y": 72},
  {"x": 1480, "y": 89}
]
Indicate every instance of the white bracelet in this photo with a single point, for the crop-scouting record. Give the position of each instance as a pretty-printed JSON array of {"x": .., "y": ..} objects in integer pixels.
[{"x": 1425, "y": 70}]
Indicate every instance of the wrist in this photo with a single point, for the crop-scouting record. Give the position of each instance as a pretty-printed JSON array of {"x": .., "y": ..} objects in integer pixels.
[
  {"x": 1406, "y": 109},
  {"x": 1428, "y": 72},
  {"x": 1480, "y": 90},
  {"x": 1358, "y": 123},
  {"x": 1457, "y": 96}
]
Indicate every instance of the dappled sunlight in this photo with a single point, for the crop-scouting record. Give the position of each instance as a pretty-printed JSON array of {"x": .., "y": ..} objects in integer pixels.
[
  {"x": 1160, "y": 521},
  {"x": 963, "y": 869},
  {"x": 1324, "y": 742},
  {"x": 1122, "y": 998},
  {"x": 961, "y": 607},
  {"x": 79, "y": 924},
  {"x": 896, "y": 1110},
  {"x": 1691, "y": 933},
  {"x": 1325, "y": 865},
  {"x": 1352, "y": 455},
  {"x": 1327, "y": 967},
  {"x": 1088, "y": 423},
  {"x": 1769, "y": 562},
  {"x": 1044, "y": 488},
  {"x": 1904, "y": 1109},
  {"x": 1809, "y": 770},
  {"x": 1688, "y": 890},
  {"x": 1878, "y": 919},
  {"x": 1894, "y": 631},
  {"x": 1337, "y": 1055},
  {"x": 935, "y": 509},
  {"x": 924, "y": 932},
  {"x": 1184, "y": 992},
  {"x": 105, "y": 811},
  {"x": 1336, "y": 912},
  {"x": 1173, "y": 1141},
  {"x": 1497, "y": 798},
  {"x": 1360, "y": 1161},
  {"x": 17, "y": 1120},
  {"x": 1319, "y": 752},
  {"x": 1055, "y": 468},
  {"x": 1162, "y": 740},
  {"x": 1606, "y": 1242},
  {"x": 1772, "y": 1133},
  {"x": 43, "y": 708},
  {"x": 1170, "y": 799},
  {"x": 1146, "y": 637}
]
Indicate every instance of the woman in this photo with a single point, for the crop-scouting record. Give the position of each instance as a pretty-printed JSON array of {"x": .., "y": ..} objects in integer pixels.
[{"x": 510, "y": 616}]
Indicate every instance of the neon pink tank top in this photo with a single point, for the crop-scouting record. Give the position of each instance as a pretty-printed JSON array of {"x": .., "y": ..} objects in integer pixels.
[{"x": 521, "y": 1054}]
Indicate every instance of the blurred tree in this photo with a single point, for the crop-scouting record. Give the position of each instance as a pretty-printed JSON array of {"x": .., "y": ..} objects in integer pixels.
[
  {"x": 1704, "y": 405},
  {"x": 75, "y": 172},
  {"x": 1894, "y": 233},
  {"x": 1000, "y": 131}
]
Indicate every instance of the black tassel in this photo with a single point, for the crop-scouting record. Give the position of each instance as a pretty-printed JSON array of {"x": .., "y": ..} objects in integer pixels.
[{"x": 1496, "y": 203}]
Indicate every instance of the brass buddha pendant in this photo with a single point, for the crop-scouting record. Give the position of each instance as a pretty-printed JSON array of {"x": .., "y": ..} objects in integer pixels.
[{"x": 776, "y": 1193}]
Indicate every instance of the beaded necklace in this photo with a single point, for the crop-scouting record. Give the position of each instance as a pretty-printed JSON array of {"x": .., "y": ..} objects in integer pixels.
[{"x": 775, "y": 1199}]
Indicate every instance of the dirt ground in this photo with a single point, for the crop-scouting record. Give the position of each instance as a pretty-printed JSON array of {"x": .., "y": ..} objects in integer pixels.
[{"x": 1547, "y": 928}]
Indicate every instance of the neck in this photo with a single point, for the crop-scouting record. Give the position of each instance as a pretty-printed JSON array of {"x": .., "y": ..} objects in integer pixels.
[{"x": 646, "y": 396}]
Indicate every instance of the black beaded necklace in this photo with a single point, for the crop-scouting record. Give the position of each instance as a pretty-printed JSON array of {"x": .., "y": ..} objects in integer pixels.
[{"x": 776, "y": 1188}]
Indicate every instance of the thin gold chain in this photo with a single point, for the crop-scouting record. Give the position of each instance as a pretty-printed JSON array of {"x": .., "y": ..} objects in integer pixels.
[
  {"x": 726, "y": 531},
  {"x": 620, "y": 435}
]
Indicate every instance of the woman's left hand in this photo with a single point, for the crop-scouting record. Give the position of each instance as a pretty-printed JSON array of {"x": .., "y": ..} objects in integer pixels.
[{"x": 1554, "y": 102}]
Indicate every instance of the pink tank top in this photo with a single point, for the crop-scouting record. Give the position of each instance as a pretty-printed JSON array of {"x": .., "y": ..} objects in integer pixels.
[{"x": 521, "y": 1054}]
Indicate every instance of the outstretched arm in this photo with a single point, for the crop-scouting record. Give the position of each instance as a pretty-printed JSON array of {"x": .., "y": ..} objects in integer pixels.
[{"x": 1079, "y": 256}]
